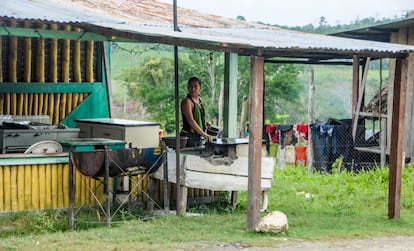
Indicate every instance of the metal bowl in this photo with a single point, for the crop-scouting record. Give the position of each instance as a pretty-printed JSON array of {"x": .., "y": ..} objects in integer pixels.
[{"x": 170, "y": 141}]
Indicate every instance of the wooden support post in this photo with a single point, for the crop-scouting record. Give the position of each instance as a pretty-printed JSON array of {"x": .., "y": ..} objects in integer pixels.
[
  {"x": 11, "y": 100},
  {"x": 310, "y": 120},
  {"x": 1, "y": 75},
  {"x": 28, "y": 98},
  {"x": 40, "y": 73},
  {"x": 355, "y": 85},
  {"x": 165, "y": 180},
  {"x": 71, "y": 192},
  {"x": 255, "y": 140},
  {"x": 397, "y": 140},
  {"x": 107, "y": 189},
  {"x": 383, "y": 142},
  {"x": 65, "y": 72},
  {"x": 230, "y": 95},
  {"x": 89, "y": 64},
  {"x": 360, "y": 98},
  {"x": 77, "y": 77},
  {"x": 243, "y": 115},
  {"x": 181, "y": 200},
  {"x": 53, "y": 71}
]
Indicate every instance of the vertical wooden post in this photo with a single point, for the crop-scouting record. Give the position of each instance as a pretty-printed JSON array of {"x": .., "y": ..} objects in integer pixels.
[
  {"x": 310, "y": 121},
  {"x": 361, "y": 98},
  {"x": 11, "y": 101},
  {"x": 243, "y": 116},
  {"x": 1, "y": 75},
  {"x": 255, "y": 140},
  {"x": 397, "y": 141},
  {"x": 383, "y": 142},
  {"x": 76, "y": 68},
  {"x": 28, "y": 98},
  {"x": 89, "y": 64},
  {"x": 230, "y": 95},
  {"x": 355, "y": 85},
  {"x": 65, "y": 72},
  {"x": 89, "y": 61},
  {"x": 40, "y": 71},
  {"x": 53, "y": 70},
  {"x": 409, "y": 126}
]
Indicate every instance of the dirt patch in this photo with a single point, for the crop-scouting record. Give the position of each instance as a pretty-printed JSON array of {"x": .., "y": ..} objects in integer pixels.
[{"x": 396, "y": 243}]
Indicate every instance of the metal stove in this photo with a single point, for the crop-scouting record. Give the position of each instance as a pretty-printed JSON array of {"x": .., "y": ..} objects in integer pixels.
[{"x": 17, "y": 136}]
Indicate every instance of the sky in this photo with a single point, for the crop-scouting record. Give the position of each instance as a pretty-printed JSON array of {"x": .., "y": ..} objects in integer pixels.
[{"x": 300, "y": 12}]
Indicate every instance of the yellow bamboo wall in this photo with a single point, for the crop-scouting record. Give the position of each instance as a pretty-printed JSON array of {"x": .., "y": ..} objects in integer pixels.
[
  {"x": 43, "y": 186},
  {"x": 40, "y": 60}
]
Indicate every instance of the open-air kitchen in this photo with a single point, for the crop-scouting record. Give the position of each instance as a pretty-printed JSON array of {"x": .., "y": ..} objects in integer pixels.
[
  {"x": 19, "y": 133},
  {"x": 220, "y": 165}
]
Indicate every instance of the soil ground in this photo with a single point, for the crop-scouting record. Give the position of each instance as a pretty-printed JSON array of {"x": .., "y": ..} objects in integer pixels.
[{"x": 396, "y": 243}]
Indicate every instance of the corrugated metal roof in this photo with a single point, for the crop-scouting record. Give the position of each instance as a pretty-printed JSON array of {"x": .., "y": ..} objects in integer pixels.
[
  {"x": 152, "y": 21},
  {"x": 381, "y": 32}
]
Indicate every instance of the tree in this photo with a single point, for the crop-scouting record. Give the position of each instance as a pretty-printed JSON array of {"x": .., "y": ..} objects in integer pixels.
[
  {"x": 282, "y": 89},
  {"x": 153, "y": 84}
]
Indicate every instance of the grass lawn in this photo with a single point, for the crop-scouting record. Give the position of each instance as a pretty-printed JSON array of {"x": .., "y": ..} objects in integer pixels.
[{"x": 318, "y": 207}]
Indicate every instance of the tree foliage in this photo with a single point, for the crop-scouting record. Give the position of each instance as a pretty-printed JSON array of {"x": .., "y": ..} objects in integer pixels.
[
  {"x": 282, "y": 90},
  {"x": 152, "y": 83}
]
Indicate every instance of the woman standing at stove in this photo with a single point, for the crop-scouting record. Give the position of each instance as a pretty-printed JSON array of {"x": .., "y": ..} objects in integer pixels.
[{"x": 193, "y": 113}]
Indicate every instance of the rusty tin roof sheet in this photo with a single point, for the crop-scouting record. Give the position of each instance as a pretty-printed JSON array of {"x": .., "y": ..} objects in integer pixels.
[{"x": 153, "y": 21}]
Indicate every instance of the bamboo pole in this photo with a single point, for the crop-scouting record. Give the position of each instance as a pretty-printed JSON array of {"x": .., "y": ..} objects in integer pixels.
[
  {"x": 11, "y": 100},
  {"x": 27, "y": 187},
  {"x": 60, "y": 188},
  {"x": 7, "y": 188},
  {"x": 28, "y": 98},
  {"x": 310, "y": 119},
  {"x": 40, "y": 71},
  {"x": 20, "y": 188},
  {"x": 65, "y": 72},
  {"x": 13, "y": 188},
  {"x": 76, "y": 68},
  {"x": 78, "y": 189},
  {"x": 1, "y": 187},
  {"x": 65, "y": 184},
  {"x": 55, "y": 184},
  {"x": 42, "y": 186},
  {"x": 35, "y": 187},
  {"x": 89, "y": 63},
  {"x": 53, "y": 71},
  {"x": 48, "y": 188},
  {"x": 1, "y": 76}
]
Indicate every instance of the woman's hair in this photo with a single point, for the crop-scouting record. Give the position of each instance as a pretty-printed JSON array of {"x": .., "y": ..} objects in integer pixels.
[{"x": 193, "y": 79}]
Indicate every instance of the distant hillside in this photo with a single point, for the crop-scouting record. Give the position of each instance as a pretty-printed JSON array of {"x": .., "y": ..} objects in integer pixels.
[{"x": 333, "y": 89}]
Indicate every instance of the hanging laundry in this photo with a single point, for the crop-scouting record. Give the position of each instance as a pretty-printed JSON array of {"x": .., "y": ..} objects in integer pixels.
[
  {"x": 302, "y": 130},
  {"x": 328, "y": 130},
  {"x": 271, "y": 130},
  {"x": 286, "y": 135}
]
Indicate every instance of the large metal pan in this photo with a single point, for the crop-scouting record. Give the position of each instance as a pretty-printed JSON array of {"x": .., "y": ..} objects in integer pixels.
[{"x": 92, "y": 163}]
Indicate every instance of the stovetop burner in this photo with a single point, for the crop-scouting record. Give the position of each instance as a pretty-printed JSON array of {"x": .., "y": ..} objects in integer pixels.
[{"x": 27, "y": 125}]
